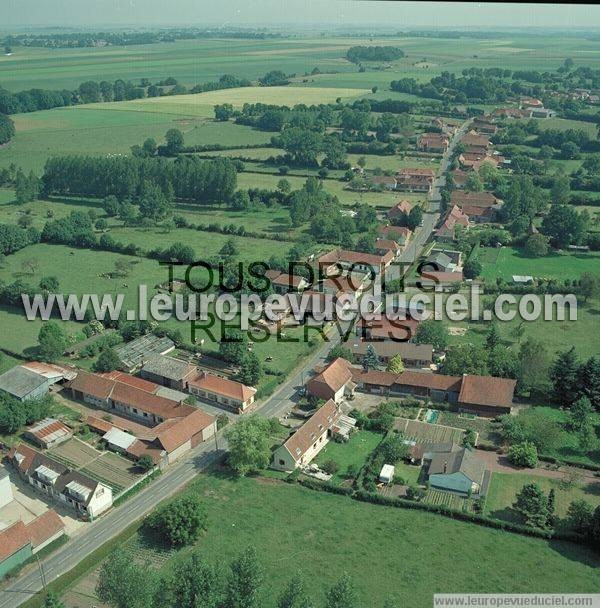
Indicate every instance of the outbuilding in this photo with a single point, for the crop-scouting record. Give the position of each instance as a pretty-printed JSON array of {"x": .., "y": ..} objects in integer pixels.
[{"x": 387, "y": 474}]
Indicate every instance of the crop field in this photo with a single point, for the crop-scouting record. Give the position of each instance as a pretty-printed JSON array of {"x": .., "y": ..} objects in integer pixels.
[
  {"x": 113, "y": 470},
  {"x": 386, "y": 536},
  {"x": 509, "y": 261},
  {"x": 425, "y": 432},
  {"x": 505, "y": 486}
]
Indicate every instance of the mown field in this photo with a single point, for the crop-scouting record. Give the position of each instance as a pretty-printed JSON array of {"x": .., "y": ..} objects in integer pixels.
[
  {"x": 508, "y": 261},
  {"x": 324, "y": 535}
]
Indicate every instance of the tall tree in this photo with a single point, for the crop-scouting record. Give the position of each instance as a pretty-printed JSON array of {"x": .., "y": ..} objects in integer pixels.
[
  {"x": 294, "y": 594},
  {"x": 52, "y": 341},
  {"x": 589, "y": 381},
  {"x": 564, "y": 376},
  {"x": 532, "y": 504},
  {"x": 492, "y": 338},
  {"x": 180, "y": 521},
  {"x": 249, "y": 448},
  {"x": 174, "y": 139},
  {"x": 342, "y": 594},
  {"x": 370, "y": 359},
  {"x": 193, "y": 584},
  {"x": 244, "y": 581}
]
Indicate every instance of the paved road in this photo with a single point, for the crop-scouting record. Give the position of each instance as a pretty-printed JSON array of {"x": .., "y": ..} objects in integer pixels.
[{"x": 179, "y": 474}]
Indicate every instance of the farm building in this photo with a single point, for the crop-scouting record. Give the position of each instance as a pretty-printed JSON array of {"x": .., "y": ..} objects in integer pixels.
[
  {"x": 283, "y": 282},
  {"x": 27, "y": 382},
  {"x": 168, "y": 371},
  {"x": 48, "y": 433},
  {"x": 400, "y": 234},
  {"x": 399, "y": 210},
  {"x": 354, "y": 261},
  {"x": 87, "y": 496},
  {"x": 412, "y": 355},
  {"x": 433, "y": 142},
  {"x": 334, "y": 382},
  {"x": 417, "y": 179},
  {"x": 135, "y": 353}
]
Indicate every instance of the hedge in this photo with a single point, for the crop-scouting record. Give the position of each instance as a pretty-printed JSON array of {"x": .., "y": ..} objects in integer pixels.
[
  {"x": 570, "y": 462},
  {"x": 325, "y": 486}
]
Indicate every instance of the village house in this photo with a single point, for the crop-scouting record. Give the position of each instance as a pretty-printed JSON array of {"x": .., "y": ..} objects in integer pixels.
[
  {"x": 400, "y": 234},
  {"x": 478, "y": 215},
  {"x": 433, "y": 142},
  {"x": 283, "y": 282},
  {"x": 20, "y": 541},
  {"x": 474, "y": 199},
  {"x": 304, "y": 445},
  {"x": 48, "y": 432},
  {"x": 332, "y": 383},
  {"x": 459, "y": 178},
  {"x": 354, "y": 261},
  {"x": 387, "y": 328},
  {"x": 223, "y": 391},
  {"x": 383, "y": 246},
  {"x": 88, "y": 497},
  {"x": 418, "y": 179},
  {"x": 457, "y": 470},
  {"x": 412, "y": 355},
  {"x": 440, "y": 280},
  {"x": 454, "y": 218},
  {"x": 399, "y": 210},
  {"x": 472, "y": 138}
]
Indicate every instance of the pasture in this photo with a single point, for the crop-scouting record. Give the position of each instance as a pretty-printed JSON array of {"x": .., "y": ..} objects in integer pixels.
[{"x": 390, "y": 540}]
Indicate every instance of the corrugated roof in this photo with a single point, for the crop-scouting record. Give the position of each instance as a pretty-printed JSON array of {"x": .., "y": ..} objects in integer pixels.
[
  {"x": 169, "y": 367},
  {"x": 20, "y": 381}
]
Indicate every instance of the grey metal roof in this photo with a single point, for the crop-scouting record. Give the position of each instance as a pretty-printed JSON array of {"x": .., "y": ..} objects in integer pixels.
[
  {"x": 142, "y": 349},
  {"x": 463, "y": 461},
  {"x": 20, "y": 382},
  {"x": 167, "y": 367}
]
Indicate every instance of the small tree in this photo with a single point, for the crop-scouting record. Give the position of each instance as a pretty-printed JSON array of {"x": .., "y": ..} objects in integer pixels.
[
  {"x": 532, "y": 504},
  {"x": 472, "y": 268},
  {"x": 415, "y": 493},
  {"x": 342, "y": 594},
  {"x": 492, "y": 338},
  {"x": 244, "y": 581},
  {"x": 251, "y": 371},
  {"x": 537, "y": 246},
  {"x": 523, "y": 454},
  {"x": 180, "y": 521},
  {"x": 370, "y": 359},
  {"x": 145, "y": 462},
  {"x": 108, "y": 361},
  {"x": 249, "y": 448},
  {"x": 49, "y": 284},
  {"x": 52, "y": 341},
  {"x": 52, "y": 601},
  {"x": 395, "y": 365}
]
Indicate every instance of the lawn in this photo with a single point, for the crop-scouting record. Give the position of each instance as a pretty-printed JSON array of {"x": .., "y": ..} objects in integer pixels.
[
  {"x": 350, "y": 454},
  {"x": 324, "y": 535},
  {"x": 504, "y": 488},
  {"x": 508, "y": 261}
]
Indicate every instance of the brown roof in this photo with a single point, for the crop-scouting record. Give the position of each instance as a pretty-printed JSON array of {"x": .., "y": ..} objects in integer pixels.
[
  {"x": 475, "y": 211},
  {"x": 44, "y": 527},
  {"x": 334, "y": 376},
  {"x": 473, "y": 139},
  {"x": 386, "y": 328},
  {"x": 314, "y": 427},
  {"x": 184, "y": 429},
  {"x": 403, "y": 207},
  {"x": 283, "y": 278},
  {"x": 441, "y": 277},
  {"x": 383, "y": 179},
  {"x": 98, "y": 424},
  {"x": 437, "y": 140},
  {"x": 416, "y": 171},
  {"x": 355, "y": 257},
  {"x": 396, "y": 232},
  {"x": 223, "y": 386},
  {"x": 477, "y": 199},
  {"x": 28, "y": 456},
  {"x": 92, "y": 384},
  {"x": 460, "y": 177},
  {"x": 487, "y": 390},
  {"x": 407, "y": 350},
  {"x": 373, "y": 376},
  {"x": 12, "y": 539},
  {"x": 386, "y": 244},
  {"x": 433, "y": 381},
  {"x": 135, "y": 381}
]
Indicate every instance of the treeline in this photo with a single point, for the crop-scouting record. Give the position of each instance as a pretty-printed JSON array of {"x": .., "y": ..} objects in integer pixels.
[
  {"x": 7, "y": 129},
  {"x": 99, "y": 39},
  {"x": 93, "y": 91},
  {"x": 356, "y": 54},
  {"x": 187, "y": 178},
  {"x": 13, "y": 238}
]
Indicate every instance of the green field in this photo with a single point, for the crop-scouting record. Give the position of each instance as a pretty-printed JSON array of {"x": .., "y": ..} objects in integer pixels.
[
  {"x": 505, "y": 486},
  {"x": 324, "y": 535},
  {"x": 352, "y": 453},
  {"x": 508, "y": 261}
]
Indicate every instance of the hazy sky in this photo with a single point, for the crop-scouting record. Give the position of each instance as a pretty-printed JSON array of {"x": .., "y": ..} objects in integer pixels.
[{"x": 93, "y": 13}]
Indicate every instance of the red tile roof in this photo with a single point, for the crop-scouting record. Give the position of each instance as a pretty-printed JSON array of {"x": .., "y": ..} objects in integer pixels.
[
  {"x": 322, "y": 420},
  {"x": 478, "y": 199},
  {"x": 442, "y": 278},
  {"x": 223, "y": 386},
  {"x": 145, "y": 385},
  {"x": 474, "y": 211},
  {"x": 184, "y": 429},
  {"x": 12, "y": 539},
  {"x": 44, "y": 527},
  {"x": 333, "y": 377},
  {"x": 432, "y": 381},
  {"x": 399, "y": 209},
  {"x": 356, "y": 257},
  {"x": 416, "y": 171},
  {"x": 487, "y": 390},
  {"x": 373, "y": 376}
]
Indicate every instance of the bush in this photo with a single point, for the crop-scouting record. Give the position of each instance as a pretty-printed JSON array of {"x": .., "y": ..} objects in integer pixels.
[
  {"x": 331, "y": 467},
  {"x": 180, "y": 521},
  {"x": 523, "y": 454}
]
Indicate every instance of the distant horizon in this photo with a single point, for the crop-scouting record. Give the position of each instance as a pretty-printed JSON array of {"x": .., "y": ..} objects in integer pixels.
[{"x": 365, "y": 14}]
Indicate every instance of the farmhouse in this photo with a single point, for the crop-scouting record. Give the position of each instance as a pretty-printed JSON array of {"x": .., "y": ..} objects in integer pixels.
[
  {"x": 383, "y": 246},
  {"x": 486, "y": 395},
  {"x": 234, "y": 395},
  {"x": 419, "y": 179},
  {"x": 283, "y": 282},
  {"x": 454, "y": 218},
  {"x": 300, "y": 449},
  {"x": 433, "y": 142},
  {"x": 459, "y": 178},
  {"x": 354, "y": 261},
  {"x": 168, "y": 371},
  {"x": 48, "y": 433},
  {"x": 412, "y": 355},
  {"x": 87, "y": 496},
  {"x": 386, "y": 328},
  {"x": 333, "y": 383},
  {"x": 457, "y": 470},
  {"x": 20, "y": 541},
  {"x": 400, "y": 234},
  {"x": 399, "y": 210},
  {"x": 472, "y": 138}
]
